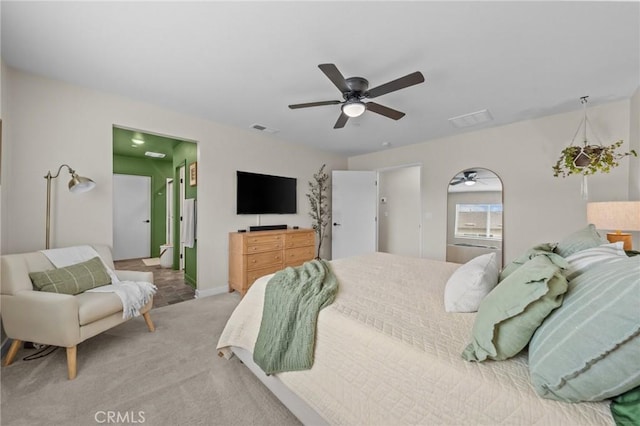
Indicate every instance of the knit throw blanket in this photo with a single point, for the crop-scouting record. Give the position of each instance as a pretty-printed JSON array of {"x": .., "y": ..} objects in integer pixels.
[{"x": 292, "y": 301}]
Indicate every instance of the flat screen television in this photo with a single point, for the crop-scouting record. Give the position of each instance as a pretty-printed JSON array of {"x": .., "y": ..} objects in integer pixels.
[{"x": 265, "y": 194}]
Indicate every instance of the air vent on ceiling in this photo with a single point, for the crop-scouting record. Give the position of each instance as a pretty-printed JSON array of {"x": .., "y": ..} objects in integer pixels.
[
  {"x": 471, "y": 119},
  {"x": 263, "y": 128}
]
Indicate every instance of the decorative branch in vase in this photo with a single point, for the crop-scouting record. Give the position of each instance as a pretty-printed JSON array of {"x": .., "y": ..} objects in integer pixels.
[{"x": 319, "y": 212}]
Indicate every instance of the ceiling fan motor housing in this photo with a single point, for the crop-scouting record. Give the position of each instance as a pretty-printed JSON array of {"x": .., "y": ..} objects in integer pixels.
[{"x": 357, "y": 86}]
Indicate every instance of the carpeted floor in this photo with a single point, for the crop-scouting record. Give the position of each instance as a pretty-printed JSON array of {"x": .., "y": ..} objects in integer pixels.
[{"x": 170, "y": 377}]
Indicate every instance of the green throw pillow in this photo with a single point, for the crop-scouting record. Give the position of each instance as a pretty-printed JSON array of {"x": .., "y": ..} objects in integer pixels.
[
  {"x": 583, "y": 239},
  {"x": 625, "y": 408},
  {"x": 588, "y": 349},
  {"x": 511, "y": 313},
  {"x": 72, "y": 279},
  {"x": 544, "y": 249}
]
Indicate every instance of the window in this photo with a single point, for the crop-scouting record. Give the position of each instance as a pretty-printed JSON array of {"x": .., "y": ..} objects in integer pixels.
[{"x": 479, "y": 221}]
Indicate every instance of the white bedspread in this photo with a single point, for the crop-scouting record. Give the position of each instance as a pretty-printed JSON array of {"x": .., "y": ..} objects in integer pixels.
[{"x": 387, "y": 354}]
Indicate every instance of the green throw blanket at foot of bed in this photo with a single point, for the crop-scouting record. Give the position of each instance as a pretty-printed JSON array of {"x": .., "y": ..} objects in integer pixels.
[{"x": 292, "y": 301}]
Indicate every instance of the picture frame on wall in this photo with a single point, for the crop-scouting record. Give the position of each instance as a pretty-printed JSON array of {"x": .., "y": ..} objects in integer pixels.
[{"x": 193, "y": 174}]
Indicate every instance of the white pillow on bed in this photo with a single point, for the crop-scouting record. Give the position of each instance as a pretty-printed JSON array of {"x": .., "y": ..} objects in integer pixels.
[{"x": 470, "y": 283}]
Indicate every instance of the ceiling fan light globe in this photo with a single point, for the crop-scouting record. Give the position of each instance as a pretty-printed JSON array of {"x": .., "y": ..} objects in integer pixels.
[
  {"x": 353, "y": 109},
  {"x": 469, "y": 182}
]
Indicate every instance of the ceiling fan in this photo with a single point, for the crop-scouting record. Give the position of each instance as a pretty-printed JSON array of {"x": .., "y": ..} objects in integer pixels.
[
  {"x": 469, "y": 177},
  {"x": 356, "y": 89}
]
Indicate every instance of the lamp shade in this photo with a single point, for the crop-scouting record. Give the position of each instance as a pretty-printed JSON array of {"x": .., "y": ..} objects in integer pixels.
[
  {"x": 615, "y": 215},
  {"x": 79, "y": 184}
]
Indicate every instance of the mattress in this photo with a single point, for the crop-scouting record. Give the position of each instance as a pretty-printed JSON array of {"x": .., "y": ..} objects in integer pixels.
[{"x": 387, "y": 353}]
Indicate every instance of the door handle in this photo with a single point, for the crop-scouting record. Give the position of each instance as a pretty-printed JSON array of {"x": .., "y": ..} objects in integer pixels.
[
  {"x": 146, "y": 221},
  {"x": 336, "y": 224}
]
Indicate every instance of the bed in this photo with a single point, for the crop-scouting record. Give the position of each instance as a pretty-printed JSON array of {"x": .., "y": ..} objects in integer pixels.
[{"x": 388, "y": 353}]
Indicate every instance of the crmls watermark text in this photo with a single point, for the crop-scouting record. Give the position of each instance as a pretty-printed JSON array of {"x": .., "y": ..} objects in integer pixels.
[{"x": 119, "y": 417}]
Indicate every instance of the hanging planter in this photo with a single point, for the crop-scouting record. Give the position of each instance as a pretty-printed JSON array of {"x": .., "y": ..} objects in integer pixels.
[{"x": 588, "y": 159}]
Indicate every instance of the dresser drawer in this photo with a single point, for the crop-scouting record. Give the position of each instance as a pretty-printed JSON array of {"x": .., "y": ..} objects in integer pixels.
[
  {"x": 263, "y": 239},
  {"x": 297, "y": 256},
  {"x": 252, "y": 276},
  {"x": 302, "y": 239},
  {"x": 268, "y": 246},
  {"x": 262, "y": 260}
]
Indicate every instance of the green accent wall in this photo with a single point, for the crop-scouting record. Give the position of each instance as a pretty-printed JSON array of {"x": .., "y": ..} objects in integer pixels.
[
  {"x": 185, "y": 153},
  {"x": 159, "y": 171}
]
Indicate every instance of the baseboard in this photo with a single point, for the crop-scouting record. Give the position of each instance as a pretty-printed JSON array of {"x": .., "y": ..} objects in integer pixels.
[{"x": 211, "y": 292}]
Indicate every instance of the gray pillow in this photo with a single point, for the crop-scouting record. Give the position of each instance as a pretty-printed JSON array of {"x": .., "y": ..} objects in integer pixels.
[
  {"x": 588, "y": 349},
  {"x": 583, "y": 239},
  {"x": 509, "y": 315},
  {"x": 72, "y": 279}
]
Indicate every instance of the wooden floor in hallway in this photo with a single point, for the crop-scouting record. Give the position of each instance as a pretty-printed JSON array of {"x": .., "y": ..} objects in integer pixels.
[{"x": 172, "y": 288}]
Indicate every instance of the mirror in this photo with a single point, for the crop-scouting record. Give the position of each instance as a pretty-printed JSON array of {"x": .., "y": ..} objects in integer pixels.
[{"x": 474, "y": 215}]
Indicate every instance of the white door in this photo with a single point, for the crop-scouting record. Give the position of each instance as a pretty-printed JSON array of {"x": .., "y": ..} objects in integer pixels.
[
  {"x": 353, "y": 213},
  {"x": 131, "y": 217}
]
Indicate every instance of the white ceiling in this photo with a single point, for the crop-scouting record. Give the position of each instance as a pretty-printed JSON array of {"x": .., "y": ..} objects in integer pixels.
[{"x": 242, "y": 63}]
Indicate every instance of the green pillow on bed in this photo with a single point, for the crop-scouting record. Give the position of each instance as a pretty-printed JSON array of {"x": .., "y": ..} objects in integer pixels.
[
  {"x": 544, "y": 249},
  {"x": 510, "y": 314},
  {"x": 588, "y": 349},
  {"x": 583, "y": 239}
]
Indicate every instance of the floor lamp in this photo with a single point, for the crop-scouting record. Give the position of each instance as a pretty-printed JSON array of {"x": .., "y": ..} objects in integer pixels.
[{"x": 77, "y": 184}]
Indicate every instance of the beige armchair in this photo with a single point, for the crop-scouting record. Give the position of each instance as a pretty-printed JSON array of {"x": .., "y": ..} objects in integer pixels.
[{"x": 53, "y": 318}]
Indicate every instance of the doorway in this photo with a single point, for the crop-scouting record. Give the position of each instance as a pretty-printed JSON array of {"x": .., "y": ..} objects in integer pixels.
[
  {"x": 160, "y": 158},
  {"x": 399, "y": 211}
]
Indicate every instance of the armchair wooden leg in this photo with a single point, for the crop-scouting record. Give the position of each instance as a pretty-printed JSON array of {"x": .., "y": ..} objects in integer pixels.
[
  {"x": 72, "y": 367},
  {"x": 13, "y": 350},
  {"x": 147, "y": 319}
]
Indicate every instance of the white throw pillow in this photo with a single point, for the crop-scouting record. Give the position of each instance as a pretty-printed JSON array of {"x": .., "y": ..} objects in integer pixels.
[
  {"x": 580, "y": 262},
  {"x": 470, "y": 283}
]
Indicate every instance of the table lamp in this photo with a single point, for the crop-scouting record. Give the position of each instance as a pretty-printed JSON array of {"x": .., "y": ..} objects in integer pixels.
[{"x": 618, "y": 216}]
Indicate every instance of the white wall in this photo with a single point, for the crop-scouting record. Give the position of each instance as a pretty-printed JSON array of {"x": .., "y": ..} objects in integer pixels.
[
  {"x": 537, "y": 206},
  {"x": 634, "y": 143},
  {"x": 49, "y": 123}
]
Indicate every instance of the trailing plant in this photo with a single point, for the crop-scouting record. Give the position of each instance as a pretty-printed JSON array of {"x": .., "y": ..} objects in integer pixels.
[
  {"x": 317, "y": 195},
  {"x": 589, "y": 159}
]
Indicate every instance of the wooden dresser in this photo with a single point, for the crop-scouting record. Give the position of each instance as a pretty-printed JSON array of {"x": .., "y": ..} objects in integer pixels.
[{"x": 255, "y": 254}]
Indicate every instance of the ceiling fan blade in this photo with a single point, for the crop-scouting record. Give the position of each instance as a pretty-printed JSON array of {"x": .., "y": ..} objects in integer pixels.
[
  {"x": 342, "y": 120},
  {"x": 314, "y": 104},
  {"x": 456, "y": 182},
  {"x": 383, "y": 110},
  {"x": 397, "y": 84},
  {"x": 335, "y": 76}
]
